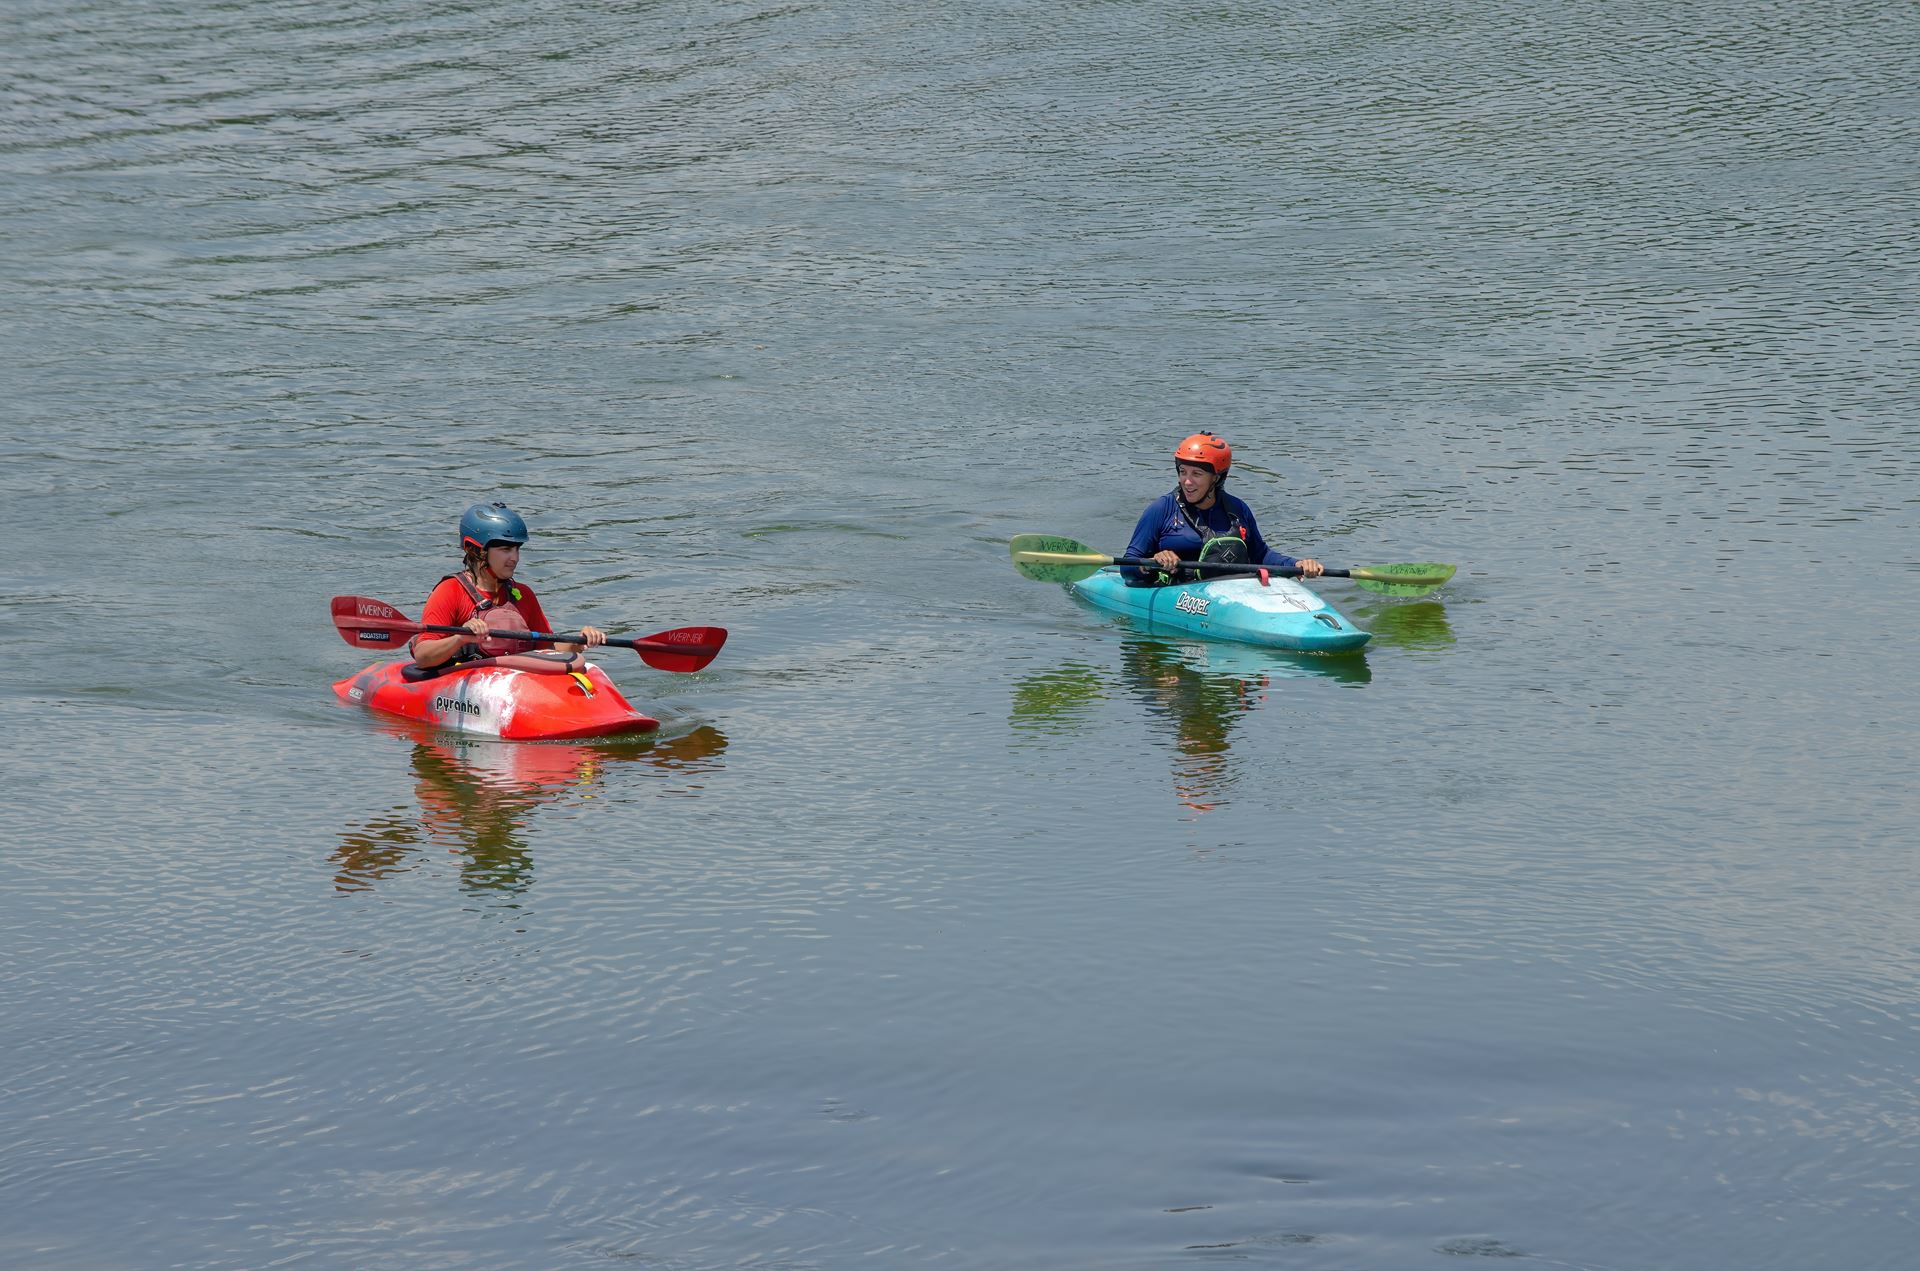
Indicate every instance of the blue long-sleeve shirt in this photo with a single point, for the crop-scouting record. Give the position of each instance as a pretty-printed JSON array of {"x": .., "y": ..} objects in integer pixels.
[{"x": 1165, "y": 526}]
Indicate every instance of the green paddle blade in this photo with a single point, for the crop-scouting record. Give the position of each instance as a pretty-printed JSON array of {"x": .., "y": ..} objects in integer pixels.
[
  {"x": 1049, "y": 558},
  {"x": 1401, "y": 580}
]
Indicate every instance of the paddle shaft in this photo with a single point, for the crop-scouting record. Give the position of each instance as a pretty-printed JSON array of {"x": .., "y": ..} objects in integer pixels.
[
  {"x": 573, "y": 638},
  {"x": 1224, "y": 567},
  {"x": 363, "y": 621},
  {"x": 1054, "y": 558}
]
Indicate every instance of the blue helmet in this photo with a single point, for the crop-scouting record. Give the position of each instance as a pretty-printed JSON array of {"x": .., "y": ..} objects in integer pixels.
[{"x": 487, "y": 523}]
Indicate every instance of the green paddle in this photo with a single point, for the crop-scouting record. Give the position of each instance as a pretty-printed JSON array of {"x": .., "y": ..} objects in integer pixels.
[{"x": 1049, "y": 558}]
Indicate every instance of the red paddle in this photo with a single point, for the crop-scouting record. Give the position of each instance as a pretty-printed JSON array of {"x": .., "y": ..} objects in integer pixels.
[{"x": 367, "y": 623}]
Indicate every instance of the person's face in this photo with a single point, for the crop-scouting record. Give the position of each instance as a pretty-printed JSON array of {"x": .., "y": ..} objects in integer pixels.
[
  {"x": 1196, "y": 480},
  {"x": 503, "y": 559}
]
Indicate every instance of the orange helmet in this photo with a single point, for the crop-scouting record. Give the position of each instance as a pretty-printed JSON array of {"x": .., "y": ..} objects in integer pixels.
[{"x": 1204, "y": 447}]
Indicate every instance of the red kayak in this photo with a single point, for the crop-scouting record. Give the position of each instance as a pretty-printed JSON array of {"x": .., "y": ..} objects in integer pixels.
[{"x": 547, "y": 696}]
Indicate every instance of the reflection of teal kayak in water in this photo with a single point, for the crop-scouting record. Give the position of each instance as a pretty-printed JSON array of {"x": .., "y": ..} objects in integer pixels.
[{"x": 1280, "y": 615}]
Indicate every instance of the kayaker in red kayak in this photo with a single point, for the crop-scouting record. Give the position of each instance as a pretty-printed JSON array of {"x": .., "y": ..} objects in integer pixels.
[
  {"x": 1200, "y": 521},
  {"x": 484, "y": 598}
]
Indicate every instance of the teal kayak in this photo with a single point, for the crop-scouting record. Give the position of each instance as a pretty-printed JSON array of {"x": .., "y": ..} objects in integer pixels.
[{"x": 1280, "y": 615}]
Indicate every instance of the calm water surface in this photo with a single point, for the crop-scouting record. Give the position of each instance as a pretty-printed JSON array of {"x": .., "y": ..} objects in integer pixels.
[{"x": 949, "y": 922}]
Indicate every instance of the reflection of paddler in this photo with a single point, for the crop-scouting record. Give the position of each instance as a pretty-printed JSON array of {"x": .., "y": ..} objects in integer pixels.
[
  {"x": 476, "y": 798},
  {"x": 1203, "y": 708},
  {"x": 477, "y": 816}
]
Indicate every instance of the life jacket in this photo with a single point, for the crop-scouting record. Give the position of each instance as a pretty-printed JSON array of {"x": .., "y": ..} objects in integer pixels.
[
  {"x": 499, "y": 615},
  {"x": 1224, "y": 547}
]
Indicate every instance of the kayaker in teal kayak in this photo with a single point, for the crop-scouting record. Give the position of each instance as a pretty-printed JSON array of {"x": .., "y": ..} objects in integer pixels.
[
  {"x": 484, "y": 598},
  {"x": 1199, "y": 521}
]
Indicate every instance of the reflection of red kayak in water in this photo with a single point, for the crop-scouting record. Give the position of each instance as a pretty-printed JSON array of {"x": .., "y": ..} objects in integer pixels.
[
  {"x": 476, "y": 799},
  {"x": 521, "y": 697}
]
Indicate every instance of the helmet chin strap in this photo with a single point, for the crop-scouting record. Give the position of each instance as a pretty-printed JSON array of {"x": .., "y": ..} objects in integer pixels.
[
  {"x": 484, "y": 567},
  {"x": 1213, "y": 489}
]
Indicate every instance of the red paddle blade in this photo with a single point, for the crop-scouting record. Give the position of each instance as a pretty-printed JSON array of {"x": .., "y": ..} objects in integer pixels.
[
  {"x": 368, "y": 623},
  {"x": 681, "y": 649}
]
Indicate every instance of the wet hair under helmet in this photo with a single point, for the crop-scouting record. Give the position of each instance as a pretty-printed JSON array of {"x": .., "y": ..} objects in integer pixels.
[
  {"x": 484, "y": 524},
  {"x": 1205, "y": 448}
]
